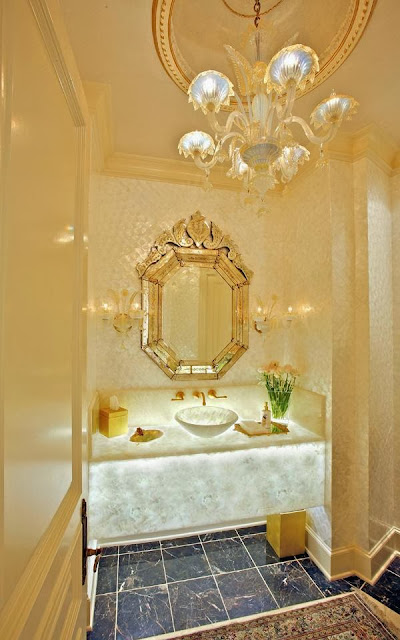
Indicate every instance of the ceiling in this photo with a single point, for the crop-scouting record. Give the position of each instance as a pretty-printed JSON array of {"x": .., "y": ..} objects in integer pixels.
[{"x": 113, "y": 44}]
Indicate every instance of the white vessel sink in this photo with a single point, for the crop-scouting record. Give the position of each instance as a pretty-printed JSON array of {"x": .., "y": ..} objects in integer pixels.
[{"x": 206, "y": 422}]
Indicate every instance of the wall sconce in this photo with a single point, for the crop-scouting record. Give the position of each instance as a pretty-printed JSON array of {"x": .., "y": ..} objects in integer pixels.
[
  {"x": 264, "y": 319},
  {"x": 288, "y": 317},
  {"x": 267, "y": 318},
  {"x": 123, "y": 311}
]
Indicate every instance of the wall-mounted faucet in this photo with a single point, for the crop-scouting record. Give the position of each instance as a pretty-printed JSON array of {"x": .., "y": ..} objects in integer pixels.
[
  {"x": 178, "y": 396},
  {"x": 213, "y": 394},
  {"x": 200, "y": 394}
]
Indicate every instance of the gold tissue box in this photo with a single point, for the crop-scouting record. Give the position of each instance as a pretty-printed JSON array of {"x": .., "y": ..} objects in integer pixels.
[
  {"x": 113, "y": 422},
  {"x": 286, "y": 533}
]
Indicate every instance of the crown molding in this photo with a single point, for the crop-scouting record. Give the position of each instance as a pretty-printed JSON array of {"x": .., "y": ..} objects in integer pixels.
[
  {"x": 98, "y": 97},
  {"x": 370, "y": 142}
]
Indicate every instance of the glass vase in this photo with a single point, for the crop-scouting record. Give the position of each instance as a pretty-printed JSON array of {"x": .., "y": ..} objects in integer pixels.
[{"x": 279, "y": 401}]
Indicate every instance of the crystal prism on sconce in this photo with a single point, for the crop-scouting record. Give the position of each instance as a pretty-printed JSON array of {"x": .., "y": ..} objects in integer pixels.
[
  {"x": 122, "y": 310},
  {"x": 256, "y": 137}
]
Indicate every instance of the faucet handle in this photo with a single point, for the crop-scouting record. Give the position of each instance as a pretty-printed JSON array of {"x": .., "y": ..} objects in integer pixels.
[
  {"x": 180, "y": 395},
  {"x": 213, "y": 394}
]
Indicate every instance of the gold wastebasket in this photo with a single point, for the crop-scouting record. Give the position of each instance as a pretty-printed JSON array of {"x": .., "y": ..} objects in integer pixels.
[
  {"x": 286, "y": 533},
  {"x": 113, "y": 422}
]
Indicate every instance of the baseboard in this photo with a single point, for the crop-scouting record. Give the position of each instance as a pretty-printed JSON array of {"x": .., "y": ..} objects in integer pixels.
[{"x": 353, "y": 560}]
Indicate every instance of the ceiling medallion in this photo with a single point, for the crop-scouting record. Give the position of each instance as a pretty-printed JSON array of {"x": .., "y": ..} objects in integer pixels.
[{"x": 333, "y": 56}]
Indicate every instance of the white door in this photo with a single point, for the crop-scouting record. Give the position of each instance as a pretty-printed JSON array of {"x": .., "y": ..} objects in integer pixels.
[{"x": 43, "y": 177}]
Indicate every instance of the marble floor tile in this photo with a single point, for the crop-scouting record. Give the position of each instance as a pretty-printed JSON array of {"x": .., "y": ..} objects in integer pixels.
[
  {"x": 139, "y": 546},
  {"x": 227, "y": 555},
  {"x": 289, "y": 583},
  {"x": 395, "y": 566},
  {"x": 355, "y": 581},
  {"x": 104, "y": 618},
  {"x": 245, "y": 593},
  {"x": 110, "y": 551},
  {"x": 143, "y": 613},
  {"x": 178, "y": 542},
  {"x": 218, "y": 535},
  {"x": 249, "y": 531},
  {"x": 182, "y": 563},
  {"x": 195, "y": 603},
  {"x": 328, "y": 588},
  {"x": 260, "y": 550},
  {"x": 141, "y": 569},
  {"x": 107, "y": 575},
  {"x": 386, "y": 590}
]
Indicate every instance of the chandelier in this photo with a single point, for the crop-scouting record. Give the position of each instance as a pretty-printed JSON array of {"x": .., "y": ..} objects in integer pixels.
[{"x": 256, "y": 138}]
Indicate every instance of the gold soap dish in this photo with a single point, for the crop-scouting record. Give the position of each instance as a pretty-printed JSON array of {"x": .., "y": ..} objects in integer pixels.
[{"x": 146, "y": 435}]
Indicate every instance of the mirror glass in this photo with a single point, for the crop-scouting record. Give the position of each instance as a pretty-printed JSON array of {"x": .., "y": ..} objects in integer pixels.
[{"x": 197, "y": 313}]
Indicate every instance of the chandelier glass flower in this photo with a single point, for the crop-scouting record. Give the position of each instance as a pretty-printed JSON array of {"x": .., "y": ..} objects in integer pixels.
[{"x": 257, "y": 137}]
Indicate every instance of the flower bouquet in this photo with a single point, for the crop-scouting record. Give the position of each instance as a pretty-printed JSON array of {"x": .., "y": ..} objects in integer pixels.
[{"x": 279, "y": 382}]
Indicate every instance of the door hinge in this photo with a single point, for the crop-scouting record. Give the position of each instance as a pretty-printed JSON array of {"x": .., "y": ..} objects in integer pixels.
[{"x": 86, "y": 553}]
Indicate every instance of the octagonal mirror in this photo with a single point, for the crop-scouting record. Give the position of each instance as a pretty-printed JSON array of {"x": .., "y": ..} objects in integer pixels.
[{"x": 195, "y": 298}]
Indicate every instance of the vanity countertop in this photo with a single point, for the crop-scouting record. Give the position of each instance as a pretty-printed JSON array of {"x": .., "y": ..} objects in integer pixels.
[{"x": 178, "y": 442}]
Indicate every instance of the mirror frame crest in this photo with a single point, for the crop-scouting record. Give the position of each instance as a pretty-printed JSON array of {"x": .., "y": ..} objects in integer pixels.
[{"x": 194, "y": 243}]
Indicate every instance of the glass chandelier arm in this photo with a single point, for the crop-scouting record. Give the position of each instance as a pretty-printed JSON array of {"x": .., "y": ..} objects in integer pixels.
[
  {"x": 273, "y": 105},
  {"x": 205, "y": 165},
  {"x": 309, "y": 132},
  {"x": 233, "y": 134},
  {"x": 290, "y": 98},
  {"x": 235, "y": 117}
]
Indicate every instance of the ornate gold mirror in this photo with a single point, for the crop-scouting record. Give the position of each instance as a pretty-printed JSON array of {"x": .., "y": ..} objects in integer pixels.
[{"x": 195, "y": 298}]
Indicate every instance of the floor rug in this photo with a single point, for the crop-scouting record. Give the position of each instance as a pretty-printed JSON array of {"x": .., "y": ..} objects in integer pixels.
[{"x": 342, "y": 618}]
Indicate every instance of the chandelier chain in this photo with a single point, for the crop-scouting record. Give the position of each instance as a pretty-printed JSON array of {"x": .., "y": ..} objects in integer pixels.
[
  {"x": 250, "y": 15},
  {"x": 257, "y": 9}
]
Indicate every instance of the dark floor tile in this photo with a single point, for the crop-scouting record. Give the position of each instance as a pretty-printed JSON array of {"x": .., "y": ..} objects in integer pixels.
[
  {"x": 289, "y": 584},
  {"x": 182, "y": 563},
  {"x": 218, "y": 535},
  {"x": 395, "y": 566},
  {"x": 244, "y": 593},
  {"x": 227, "y": 555},
  {"x": 355, "y": 581},
  {"x": 143, "y": 613},
  {"x": 260, "y": 550},
  {"x": 110, "y": 551},
  {"x": 104, "y": 618},
  {"x": 249, "y": 531},
  {"x": 178, "y": 542},
  {"x": 301, "y": 556},
  {"x": 195, "y": 603},
  {"x": 386, "y": 590},
  {"x": 327, "y": 587},
  {"x": 107, "y": 576},
  {"x": 139, "y": 546},
  {"x": 141, "y": 569}
]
